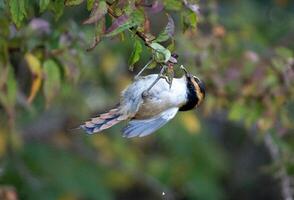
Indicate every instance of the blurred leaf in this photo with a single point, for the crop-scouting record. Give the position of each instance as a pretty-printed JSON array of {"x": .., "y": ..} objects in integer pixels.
[
  {"x": 8, "y": 90},
  {"x": 43, "y": 4},
  {"x": 161, "y": 54},
  {"x": 157, "y": 6},
  {"x": 3, "y": 142},
  {"x": 193, "y": 7},
  {"x": 67, "y": 172},
  {"x": 90, "y": 4},
  {"x": 284, "y": 52},
  {"x": 190, "y": 122},
  {"x": 237, "y": 111},
  {"x": 2, "y": 4},
  {"x": 97, "y": 13},
  {"x": 135, "y": 56},
  {"x": 172, "y": 4},
  {"x": 17, "y": 11},
  {"x": 168, "y": 32},
  {"x": 36, "y": 70},
  {"x": 137, "y": 17},
  {"x": 73, "y": 2},
  {"x": 171, "y": 46},
  {"x": 57, "y": 7},
  {"x": 189, "y": 20},
  {"x": 264, "y": 124},
  {"x": 51, "y": 80}
]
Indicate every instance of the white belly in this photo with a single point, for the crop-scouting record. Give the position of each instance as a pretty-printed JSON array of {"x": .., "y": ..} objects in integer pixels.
[{"x": 160, "y": 97}]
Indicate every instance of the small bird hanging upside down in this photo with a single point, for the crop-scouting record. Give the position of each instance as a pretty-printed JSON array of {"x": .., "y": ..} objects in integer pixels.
[{"x": 148, "y": 109}]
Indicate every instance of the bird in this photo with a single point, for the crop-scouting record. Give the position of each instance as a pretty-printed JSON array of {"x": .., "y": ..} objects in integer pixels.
[{"x": 147, "y": 109}]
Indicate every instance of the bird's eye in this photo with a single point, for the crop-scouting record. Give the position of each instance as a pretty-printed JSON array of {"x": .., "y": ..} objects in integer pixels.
[{"x": 197, "y": 79}]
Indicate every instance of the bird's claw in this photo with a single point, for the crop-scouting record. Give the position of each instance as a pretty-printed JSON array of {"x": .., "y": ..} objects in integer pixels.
[
  {"x": 136, "y": 78},
  {"x": 145, "y": 93}
]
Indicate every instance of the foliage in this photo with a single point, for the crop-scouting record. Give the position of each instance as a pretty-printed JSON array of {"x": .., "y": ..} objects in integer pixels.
[{"x": 49, "y": 83}]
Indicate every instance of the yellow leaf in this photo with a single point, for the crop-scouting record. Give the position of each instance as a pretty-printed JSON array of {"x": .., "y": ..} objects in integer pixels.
[
  {"x": 191, "y": 122},
  {"x": 264, "y": 124},
  {"x": 122, "y": 82},
  {"x": 36, "y": 70},
  {"x": 118, "y": 180},
  {"x": 109, "y": 63}
]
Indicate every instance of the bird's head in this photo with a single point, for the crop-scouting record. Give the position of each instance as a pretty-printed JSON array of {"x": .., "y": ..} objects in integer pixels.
[
  {"x": 195, "y": 88},
  {"x": 199, "y": 88}
]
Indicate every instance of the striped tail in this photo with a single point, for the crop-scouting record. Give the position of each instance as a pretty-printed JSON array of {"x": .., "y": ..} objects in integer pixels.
[{"x": 104, "y": 121}]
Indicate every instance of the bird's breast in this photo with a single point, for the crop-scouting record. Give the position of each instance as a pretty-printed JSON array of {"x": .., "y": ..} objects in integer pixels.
[{"x": 161, "y": 97}]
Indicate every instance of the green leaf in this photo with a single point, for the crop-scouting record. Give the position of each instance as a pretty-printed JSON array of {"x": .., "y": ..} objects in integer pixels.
[
  {"x": 135, "y": 56},
  {"x": 284, "y": 52},
  {"x": 137, "y": 17},
  {"x": 57, "y": 7},
  {"x": 17, "y": 11},
  {"x": 189, "y": 20},
  {"x": 11, "y": 87},
  {"x": 51, "y": 81},
  {"x": 172, "y": 4},
  {"x": 73, "y": 2},
  {"x": 43, "y": 4},
  {"x": 171, "y": 46},
  {"x": 90, "y": 4},
  {"x": 8, "y": 91},
  {"x": 152, "y": 65},
  {"x": 161, "y": 54},
  {"x": 237, "y": 111}
]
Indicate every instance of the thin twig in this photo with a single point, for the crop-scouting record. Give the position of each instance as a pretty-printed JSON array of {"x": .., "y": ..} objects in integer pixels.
[
  {"x": 141, "y": 71},
  {"x": 147, "y": 41},
  {"x": 160, "y": 75}
]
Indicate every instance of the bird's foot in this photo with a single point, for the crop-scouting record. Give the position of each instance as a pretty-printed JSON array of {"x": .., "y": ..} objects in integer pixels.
[{"x": 145, "y": 94}]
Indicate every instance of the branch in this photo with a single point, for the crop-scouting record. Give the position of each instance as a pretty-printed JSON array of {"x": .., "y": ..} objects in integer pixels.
[
  {"x": 273, "y": 149},
  {"x": 147, "y": 40}
]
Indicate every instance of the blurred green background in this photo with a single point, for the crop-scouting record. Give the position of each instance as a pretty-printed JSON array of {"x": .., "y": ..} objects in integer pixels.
[{"x": 237, "y": 145}]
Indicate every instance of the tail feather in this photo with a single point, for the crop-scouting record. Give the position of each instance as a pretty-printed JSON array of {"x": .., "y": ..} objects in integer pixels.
[{"x": 104, "y": 121}]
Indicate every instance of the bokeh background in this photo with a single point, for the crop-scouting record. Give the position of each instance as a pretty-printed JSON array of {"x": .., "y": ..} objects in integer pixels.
[{"x": 237, "y": 145}]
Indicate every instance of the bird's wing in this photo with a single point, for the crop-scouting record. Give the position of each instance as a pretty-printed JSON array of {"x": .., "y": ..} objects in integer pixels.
[
  {"x": 131, "y": 98},
  {"x": 142, "y": 128}
]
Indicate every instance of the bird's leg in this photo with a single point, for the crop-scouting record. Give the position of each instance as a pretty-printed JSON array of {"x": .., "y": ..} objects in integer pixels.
[
  {"x": 145, "y": 93},
  {"x": 141, "y": 71}
]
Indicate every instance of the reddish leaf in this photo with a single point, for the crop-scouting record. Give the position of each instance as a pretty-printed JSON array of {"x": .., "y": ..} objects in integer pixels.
[
  {"x": 121, "y": 20},
  {"x": 170, "y": 27},
  {"x": 157, "y": 6}
]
